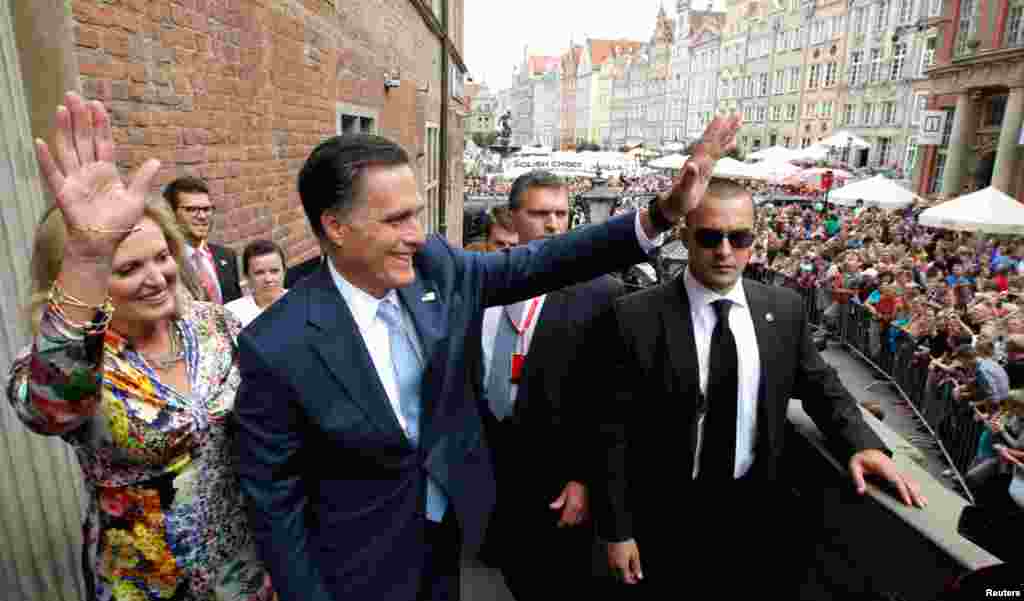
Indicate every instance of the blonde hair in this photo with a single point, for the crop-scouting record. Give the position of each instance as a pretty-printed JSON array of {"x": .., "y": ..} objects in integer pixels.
[{"x": 48, "y": 257}]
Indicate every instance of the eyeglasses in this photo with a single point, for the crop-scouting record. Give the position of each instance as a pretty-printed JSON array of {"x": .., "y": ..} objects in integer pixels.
[
  {"x": 199, "y": 210},
  {"x": 708, "y": 238}
]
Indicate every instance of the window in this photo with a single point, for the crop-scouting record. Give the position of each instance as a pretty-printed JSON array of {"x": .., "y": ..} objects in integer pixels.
[
  {"x": 904, "y": 8},
  {"x": 787, "y": 141},
  {"x": 351, "y": 119},
  {"x": 762, "y": 114},
  {"x": 812, "y": 77},
  {"x": 928, "y": 56},
  {"x": 794, "y": 79},
  {"x": 840, "y": 26},
  {"x": 876, "y": 65},
  {"x": 1014, "y": 31},
  {"x": 882, "y": 16},
  {"x": 780, "y": 40},
  {"x": 810, "y": 110},
  {"x": 748, "y": 113},
  {"x": 778, "y": 81},
  {"x": 889, "y": 112},
  {"x": 805, "y": 142},
  {"x": 847, "y": 114},
  {"x": 934, "y": 8},
  {"x": 920, "y": 102},
  {"x": 748, "y": 91},
  {"x": 867, "y": 114},
  {"x": 432, "y": 169},
  {"x": 935, "y": 183},
  {"x": 830, "y": 74},
  {"x": 744, "y": 141},
  {"x": 859, "y": 18},
  {"x": 995, "y": 110},
  {"x": 855, "y": 59},
  {"x": 884, "y": 147},
  {"x": 899, "y": 54},
  {"x": 817, "y": 31},
  {"x": 826, "y": 110},
  {"x": 764, "y": 84},
  {"x": 947, "y": 129},
  {"x": 790, "y": 112},
  {"x": 776, "y": 113},
  {"x": 965, "y": 32},
  {"x": 910, "y": 158}
]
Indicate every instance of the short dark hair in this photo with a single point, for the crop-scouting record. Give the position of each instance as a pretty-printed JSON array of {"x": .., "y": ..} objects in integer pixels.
[
  {"x": 188, "y": 185},
  {"x": 536, "y": 178},
  {"x": 335, "y": 169},
  {"x": 259, "y": 248},
  {"x": 720, "y": 187}
]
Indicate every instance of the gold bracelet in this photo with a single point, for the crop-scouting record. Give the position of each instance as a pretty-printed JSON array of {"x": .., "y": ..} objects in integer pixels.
[{"x": 91, "y": 229}]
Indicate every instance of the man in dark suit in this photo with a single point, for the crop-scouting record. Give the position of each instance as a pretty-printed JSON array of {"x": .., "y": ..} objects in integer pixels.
[
  {"x": 215, "y": 266},
  {"x": 536, "y": 420},
  {"x": 298, "y": 272},
  {"x": 360, "y": 443},
  {"x": 702, "y": 370}
]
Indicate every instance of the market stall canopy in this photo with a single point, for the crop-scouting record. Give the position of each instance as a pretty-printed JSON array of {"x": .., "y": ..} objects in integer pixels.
[
  {"x": 771, "y": 170},
  {"x": 674, "y": 146},
  {"x": 672, "y": 161},
  {"x": 731, "y": 168},
  {"x": 843, "y": 139},
  {"x": 989, "y": 211},
  {"x": 568, "y": 164},
  {"x": 878, "y": 191},
  {"x": 773, "y": 153},
  {"x": 814, "y": 152}
]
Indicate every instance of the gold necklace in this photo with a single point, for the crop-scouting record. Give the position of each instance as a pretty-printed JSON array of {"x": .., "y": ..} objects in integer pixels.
[{"x": 172, "y": 357}]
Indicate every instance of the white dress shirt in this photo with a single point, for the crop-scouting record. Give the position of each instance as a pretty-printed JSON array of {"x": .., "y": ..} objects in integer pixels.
[
  {"x": 489, "y": 334},
  {"x": 375, "y": 334},
  {"x": 702, "y": 313}
]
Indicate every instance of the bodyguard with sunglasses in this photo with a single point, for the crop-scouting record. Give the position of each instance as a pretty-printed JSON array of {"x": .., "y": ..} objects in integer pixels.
[{"x": 700, "y": 372}]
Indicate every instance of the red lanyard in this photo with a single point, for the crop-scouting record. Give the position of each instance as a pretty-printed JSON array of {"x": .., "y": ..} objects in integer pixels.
[{"x": 521, "y": 329}]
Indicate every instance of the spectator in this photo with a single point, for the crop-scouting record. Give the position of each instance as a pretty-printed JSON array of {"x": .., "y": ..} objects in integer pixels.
[{"x": 263, "y": 263}]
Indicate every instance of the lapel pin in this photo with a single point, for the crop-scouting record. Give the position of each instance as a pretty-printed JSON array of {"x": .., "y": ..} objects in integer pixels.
[
  {"x": 223, "y": 262},
  {"x": 769, "y": 317},
  {"x": 429, "y": 297}
]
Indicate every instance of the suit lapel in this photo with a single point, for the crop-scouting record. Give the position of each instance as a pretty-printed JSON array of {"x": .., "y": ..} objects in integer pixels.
[
  {"x": 545, "y": 335},
  {"x": 680, "y": 340},
  {"x": 765, "y": 331},
  {"x": 339, "y": 343},
  {"x": 219, "y": 264},
  {"x": 425, "y": 306}
]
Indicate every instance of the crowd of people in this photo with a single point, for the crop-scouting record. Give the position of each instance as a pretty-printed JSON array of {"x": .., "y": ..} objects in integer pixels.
[{"x": 377, "y": 419}]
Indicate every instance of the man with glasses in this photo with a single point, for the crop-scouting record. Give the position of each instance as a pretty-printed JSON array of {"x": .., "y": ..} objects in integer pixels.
[
  {"x": 215, "y": 266},
  {"x": 699, "y": 376}
]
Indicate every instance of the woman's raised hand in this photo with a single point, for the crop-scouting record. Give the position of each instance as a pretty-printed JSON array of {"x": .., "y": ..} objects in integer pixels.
[{"x": 100, "y": 209}]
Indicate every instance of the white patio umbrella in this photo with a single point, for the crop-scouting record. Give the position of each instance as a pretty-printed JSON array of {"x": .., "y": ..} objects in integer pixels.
[
  {"x": 878, "y": 191},
  {"x": 674, "y": 146},
  {"x": 771, "y": 170},
  {"x": 814, "y": 152},
  {"x": 773, "y": 153},
  {"x": 672, "y": 161},
  {"x": 842, "y": 139},
  {"x": 989, "y": 211},
  {"x": 731, "y": 168}
]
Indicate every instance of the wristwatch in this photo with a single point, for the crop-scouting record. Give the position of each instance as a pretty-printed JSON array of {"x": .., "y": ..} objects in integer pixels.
[{"x": 661, "y": 223}]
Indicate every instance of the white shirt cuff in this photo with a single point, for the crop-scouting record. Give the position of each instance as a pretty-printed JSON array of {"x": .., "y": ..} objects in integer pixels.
[{"x": 646, "y": 244}]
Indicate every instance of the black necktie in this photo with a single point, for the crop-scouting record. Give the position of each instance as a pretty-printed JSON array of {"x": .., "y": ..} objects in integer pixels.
[{"x": 718, "y": 456}]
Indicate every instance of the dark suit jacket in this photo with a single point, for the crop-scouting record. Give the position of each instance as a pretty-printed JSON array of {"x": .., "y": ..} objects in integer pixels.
[
  {"x": 336, "y": 492},
  {"x": 549, "y": 439},
  {"x": 654, "y": 374},
  {"x": 226, "y": 262},
  {"x": 296, "y": 273}
]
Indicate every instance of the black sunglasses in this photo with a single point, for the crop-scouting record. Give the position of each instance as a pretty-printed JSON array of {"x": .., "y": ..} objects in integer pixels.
[{"x": 708, "y": 238}]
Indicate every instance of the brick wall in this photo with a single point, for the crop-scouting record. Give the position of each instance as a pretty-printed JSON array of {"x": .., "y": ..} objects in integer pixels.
[{"x": 239, "y": 91}]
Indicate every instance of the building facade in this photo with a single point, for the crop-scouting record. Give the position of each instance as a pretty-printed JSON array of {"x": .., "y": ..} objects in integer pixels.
[
  {"x": 483, "y": 109},
  {"x": 703, "y": 73},
  {"x": 569, "y": 81},
  {"x": 977, "y": 80},
  {"x": 786, "y": 76}
]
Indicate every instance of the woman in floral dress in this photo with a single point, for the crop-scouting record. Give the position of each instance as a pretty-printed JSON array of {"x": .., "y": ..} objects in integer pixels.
[{"x": 138, "y": 378}]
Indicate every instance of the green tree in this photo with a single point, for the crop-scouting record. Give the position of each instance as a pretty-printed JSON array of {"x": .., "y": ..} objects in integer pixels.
[{"x": 485, "y": 139}]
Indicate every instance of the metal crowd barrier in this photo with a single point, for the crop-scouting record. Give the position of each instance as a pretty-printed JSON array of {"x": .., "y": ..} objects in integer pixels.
[{"x": 899, "y": 360}]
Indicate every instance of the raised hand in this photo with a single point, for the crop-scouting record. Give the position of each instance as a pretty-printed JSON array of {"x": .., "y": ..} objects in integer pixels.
[
  {"x": 718, "y": 140},
  {"x": 99, "y": 208}
]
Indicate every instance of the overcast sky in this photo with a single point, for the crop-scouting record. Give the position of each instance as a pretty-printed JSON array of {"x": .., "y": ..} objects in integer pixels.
[{"x": 496, "y": 32}]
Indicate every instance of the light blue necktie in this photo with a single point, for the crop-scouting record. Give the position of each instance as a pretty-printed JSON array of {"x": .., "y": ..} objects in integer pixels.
[
  {"x": 499, "y": 381},
  {"x": 409, "y": 376}
]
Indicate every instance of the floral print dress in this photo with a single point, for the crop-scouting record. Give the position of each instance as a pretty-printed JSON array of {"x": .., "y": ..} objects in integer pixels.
[{"x": 166, "y": 518}]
